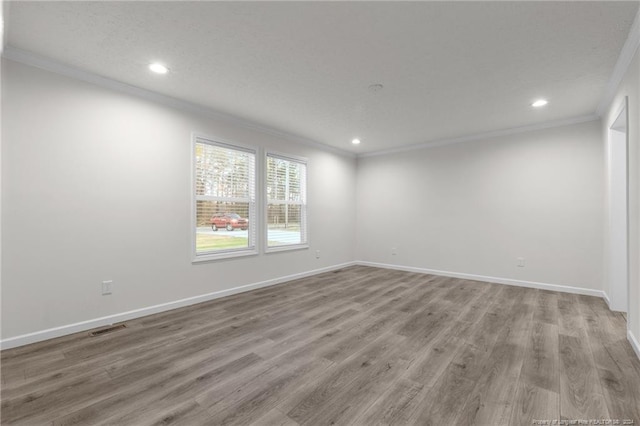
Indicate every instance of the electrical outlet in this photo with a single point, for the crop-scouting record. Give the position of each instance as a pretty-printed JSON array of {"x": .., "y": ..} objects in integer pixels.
[
  {"x": 107, "y": 287},
  {"x": 520, "y": 262},
  {"x": 394, "y": 251},
  {"x": 317, "y": 254}
]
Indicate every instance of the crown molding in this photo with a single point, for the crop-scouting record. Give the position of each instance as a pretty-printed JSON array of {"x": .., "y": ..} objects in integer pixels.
[
  {"x": 31, "y": 59},
  {"x": 485, "y": 135},
  {"x": 627, "y": 53},
  {"x": 37, "y": 61}
]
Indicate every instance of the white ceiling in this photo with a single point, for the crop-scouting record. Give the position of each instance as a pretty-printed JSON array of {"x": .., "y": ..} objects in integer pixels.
[{"x": 449, "y": 69}]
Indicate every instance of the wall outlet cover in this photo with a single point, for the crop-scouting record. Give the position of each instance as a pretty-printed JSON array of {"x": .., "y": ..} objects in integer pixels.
[{"x": 107, "y": 287}]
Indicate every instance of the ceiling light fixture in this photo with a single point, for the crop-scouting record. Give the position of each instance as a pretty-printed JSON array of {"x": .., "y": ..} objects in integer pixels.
[
  {"x": 158, "y": 68},
  {"x": 539, "y": 103},
  {"x": 356, "y": 141},
  {"x": 376, "y": 87}
]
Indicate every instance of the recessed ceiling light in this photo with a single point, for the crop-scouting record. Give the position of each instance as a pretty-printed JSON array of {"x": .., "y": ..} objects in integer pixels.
[
  {"x": 158, "y": 68},
  {"x": 539, "y": 103},
  {"x": 376, "y": 87},
  {"x": 356, "y": 141}
]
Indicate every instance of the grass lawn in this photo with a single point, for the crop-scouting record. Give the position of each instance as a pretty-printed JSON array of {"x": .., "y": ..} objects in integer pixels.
[{"x": 205, "y": 242}]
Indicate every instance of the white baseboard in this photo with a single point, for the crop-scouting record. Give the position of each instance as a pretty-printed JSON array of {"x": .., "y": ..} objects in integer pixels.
[
  {"x": 507, "y": 281},
  {"x": 64, "y": 330},
  {"x": 605, "y": 296},
  {"x": 530, "y": 284},
  {"x": 634, "y": 343},
  {"x": 51, "y": 333}
]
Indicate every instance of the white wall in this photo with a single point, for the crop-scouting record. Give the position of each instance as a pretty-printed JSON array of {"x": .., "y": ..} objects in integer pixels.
[
  {"x": 96, "y": 186},
  {"x": 475, "y": 207},
  {"x": 630, "y": 86}
]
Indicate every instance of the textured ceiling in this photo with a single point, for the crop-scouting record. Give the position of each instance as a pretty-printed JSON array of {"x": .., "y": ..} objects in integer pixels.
[{"x": 449, "y": 69}]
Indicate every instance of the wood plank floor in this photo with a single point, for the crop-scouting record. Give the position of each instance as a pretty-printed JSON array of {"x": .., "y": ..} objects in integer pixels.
[{"x": 360, "y": 346}]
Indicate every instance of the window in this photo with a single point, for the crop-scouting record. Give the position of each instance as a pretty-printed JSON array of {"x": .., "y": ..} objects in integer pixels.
[
  {"x": 225, "y": 200},
  {"x": 286, "y": 202}
]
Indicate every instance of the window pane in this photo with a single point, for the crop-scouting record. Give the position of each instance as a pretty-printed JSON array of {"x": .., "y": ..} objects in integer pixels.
[
  {"x": 286, "y": 201},
  {"x": 294, "y": 179},
  {"x": 276, "y": 179},
  {"x": 285, "y": 180},
  {"x": 222, "y": 226},
  {"x": 223, "y": 172},
  {"x": 284, "y": 225},
  {"x": 225, "y": 199}
]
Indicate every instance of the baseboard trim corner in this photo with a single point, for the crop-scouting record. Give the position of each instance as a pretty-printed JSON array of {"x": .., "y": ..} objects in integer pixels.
[
  {"x": 52, "y": 333},
  {"x": 495, "y": 280},
  {"x": 634, "y": 343}
]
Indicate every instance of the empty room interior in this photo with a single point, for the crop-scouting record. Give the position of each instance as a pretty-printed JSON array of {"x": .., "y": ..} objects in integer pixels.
[{"x": 320, "y": 213}]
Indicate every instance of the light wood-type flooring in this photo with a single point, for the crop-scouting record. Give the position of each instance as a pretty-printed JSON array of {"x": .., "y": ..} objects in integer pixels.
[{"x": 359, "y": 346}]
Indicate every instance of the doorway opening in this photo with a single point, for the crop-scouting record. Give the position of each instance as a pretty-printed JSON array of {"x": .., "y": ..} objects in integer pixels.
[{"x": 618, "y": 217}]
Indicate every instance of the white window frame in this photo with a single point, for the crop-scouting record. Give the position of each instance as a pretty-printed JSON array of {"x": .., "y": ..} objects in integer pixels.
[
  {"x": 254, "y": 219},
  {"x": 304, "y": 226}
]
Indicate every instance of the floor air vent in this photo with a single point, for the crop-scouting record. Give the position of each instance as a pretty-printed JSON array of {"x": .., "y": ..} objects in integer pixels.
[{"x": 107, "y": 330}]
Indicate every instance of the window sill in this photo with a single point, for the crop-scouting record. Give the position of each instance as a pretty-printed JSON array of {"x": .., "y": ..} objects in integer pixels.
[
  {"x": 221, "y": 256},
  {"x": 291, "y": 247}
]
